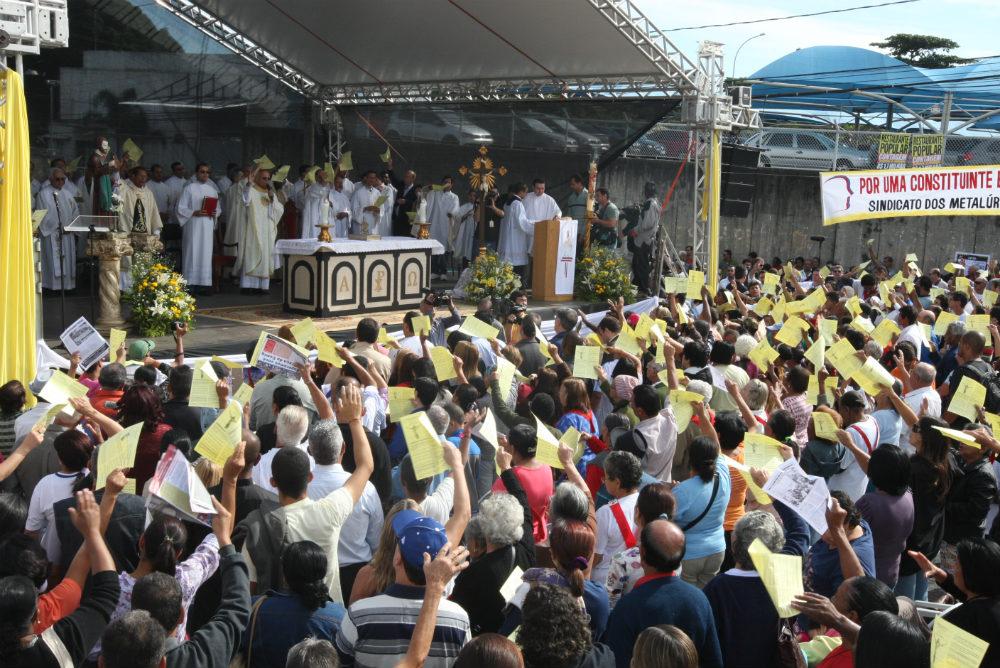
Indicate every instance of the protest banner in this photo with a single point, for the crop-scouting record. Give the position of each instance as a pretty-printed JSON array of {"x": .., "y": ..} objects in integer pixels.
[{"x": 898, "y": 193}]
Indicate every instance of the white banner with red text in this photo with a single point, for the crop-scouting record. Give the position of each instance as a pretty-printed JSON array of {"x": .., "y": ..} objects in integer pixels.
[{"x": 897, "y": 193}]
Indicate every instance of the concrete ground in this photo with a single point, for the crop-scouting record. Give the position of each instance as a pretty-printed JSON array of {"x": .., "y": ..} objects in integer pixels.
[{"x": 221, "y": 334}]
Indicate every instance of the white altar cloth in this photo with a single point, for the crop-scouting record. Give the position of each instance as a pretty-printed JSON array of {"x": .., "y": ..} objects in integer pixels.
[{"x": 350, "y": 246}]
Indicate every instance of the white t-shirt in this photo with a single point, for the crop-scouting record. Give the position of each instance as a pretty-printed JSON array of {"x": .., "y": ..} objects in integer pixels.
[
  {"x": 318, "y": 521},
  {"x": 609, "y": 536},
  {"x": 853, "y": 481},
  {"x": 914, "y": 399},
  {"x": 41, "y": 514}
]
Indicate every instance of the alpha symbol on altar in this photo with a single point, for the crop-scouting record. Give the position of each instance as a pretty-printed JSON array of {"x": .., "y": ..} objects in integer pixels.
[{"x": 344, "y": 285}]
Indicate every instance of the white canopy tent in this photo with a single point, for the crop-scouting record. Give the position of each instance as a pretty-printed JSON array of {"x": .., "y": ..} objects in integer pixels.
[{"x": 386, "y": 51}]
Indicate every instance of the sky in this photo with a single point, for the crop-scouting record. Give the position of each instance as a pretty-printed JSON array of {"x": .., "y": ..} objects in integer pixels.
[{"x": 971, "y": 23}]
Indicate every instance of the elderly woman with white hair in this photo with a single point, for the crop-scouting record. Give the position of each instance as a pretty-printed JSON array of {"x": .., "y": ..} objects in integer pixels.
[
  {"x": 746, "y": 620},
  {"x": 504, "y": 529}
]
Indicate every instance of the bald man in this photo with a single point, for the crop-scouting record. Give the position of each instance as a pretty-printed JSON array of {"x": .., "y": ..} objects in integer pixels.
[{"x": 660, "y": 597}]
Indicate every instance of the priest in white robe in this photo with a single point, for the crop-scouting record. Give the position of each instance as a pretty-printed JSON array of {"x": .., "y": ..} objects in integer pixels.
[
  {"x": 198, "y": 211},
  {"x": 539, "y": 206},
  {"x": 175, "y": 186},
  {"x": 160, "y": 190},
  {"x": 317, "y": 206},
  {"x": 519, "y": 229},
  {"x": 365, "y": 207},
  {"x": 442, "y": 205},
  {"x": 385, "y": 220},
  {"x": 465, "y": 223},
  {"x": 61, "y": 211},
  {"x": 341, "y": 204},
  {"x": 236, "y": 216},
  {"x": 257, "y": 259}
]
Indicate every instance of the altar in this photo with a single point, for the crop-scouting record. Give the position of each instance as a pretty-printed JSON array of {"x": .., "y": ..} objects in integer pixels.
[{"x": 345, "y": 276}]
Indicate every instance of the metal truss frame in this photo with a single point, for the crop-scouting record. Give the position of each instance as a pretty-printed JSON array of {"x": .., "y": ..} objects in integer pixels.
[{"x": 707, "y": 106}]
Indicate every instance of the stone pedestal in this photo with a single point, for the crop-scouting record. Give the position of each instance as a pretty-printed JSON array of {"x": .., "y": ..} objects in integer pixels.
[{"x": 109, "y": 249}]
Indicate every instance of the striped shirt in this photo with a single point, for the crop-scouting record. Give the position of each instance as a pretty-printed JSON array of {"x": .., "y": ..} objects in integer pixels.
[{"x": 377, "y": 631}]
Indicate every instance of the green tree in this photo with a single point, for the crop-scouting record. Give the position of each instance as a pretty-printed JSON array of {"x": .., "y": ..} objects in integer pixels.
[{"x": 922, "y": 50}]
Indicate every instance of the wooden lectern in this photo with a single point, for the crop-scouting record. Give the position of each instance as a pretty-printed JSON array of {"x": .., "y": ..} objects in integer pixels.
[{"x": 547, "y": 261}]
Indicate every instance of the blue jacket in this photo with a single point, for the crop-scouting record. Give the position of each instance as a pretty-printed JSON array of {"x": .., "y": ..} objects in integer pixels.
[
  {"x": 664, "y": 600},
  {"x": 282, "y": 621}
]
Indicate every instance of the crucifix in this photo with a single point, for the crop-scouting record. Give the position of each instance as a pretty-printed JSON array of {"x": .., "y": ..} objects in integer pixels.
[{"x": 481, "y": 178}]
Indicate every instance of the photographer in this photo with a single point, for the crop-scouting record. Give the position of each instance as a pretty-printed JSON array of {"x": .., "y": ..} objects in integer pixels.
[{"x": 433, "y": 300}]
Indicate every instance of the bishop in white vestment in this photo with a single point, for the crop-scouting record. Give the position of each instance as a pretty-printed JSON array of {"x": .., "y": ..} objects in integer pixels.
[
  {"x": 61, "y": 210},
  {"x": 385, "y": 220},
  {"x": 198, "y": 221},
  {"x": 257, "y": 259}
]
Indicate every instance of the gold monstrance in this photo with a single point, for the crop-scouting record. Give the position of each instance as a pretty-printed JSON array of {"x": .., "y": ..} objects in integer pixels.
[{"x": 481, "y": 178}]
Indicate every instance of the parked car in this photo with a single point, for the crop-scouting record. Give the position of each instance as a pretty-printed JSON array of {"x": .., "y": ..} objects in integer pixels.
[
  {"x": 801, "y": 149},
  {"x": 444, "y": 126},
  {"x": 585, "y": 140}
]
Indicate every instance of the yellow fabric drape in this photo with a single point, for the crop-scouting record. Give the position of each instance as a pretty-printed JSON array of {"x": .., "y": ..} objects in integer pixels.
[
  {"x": 714, "y": 177},
  {"x": 17, "y": 272}
]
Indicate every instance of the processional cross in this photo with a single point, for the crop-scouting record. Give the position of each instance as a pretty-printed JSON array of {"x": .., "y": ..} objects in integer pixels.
[{"x": 481, "y": 178}]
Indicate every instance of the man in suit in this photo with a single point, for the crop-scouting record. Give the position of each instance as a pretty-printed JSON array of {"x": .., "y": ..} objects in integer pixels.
[{"x": 406, "y": 201}]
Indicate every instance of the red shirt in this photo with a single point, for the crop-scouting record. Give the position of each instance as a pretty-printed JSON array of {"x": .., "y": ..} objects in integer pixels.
[
  {"x": 106, "y": 401},
  {"x": 842, "y": 657},
  {"x": 538, "y": 487},
  {"x": 53, "y": 605}
]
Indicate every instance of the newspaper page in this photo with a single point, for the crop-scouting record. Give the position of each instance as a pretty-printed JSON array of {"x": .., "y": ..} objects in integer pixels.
[
  {"x": 275, "y": 354},
  {"x": 806, "y": 494},
  {"x": 81, "y": 337}
]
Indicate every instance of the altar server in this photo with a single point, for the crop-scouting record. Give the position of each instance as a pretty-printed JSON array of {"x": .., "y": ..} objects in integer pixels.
[
  {"x": 197, "y": 212},
  {"x": 236, "y": 215},
  {"x": 257, "y": 259},
  {"x": 61, "y": 211},
  {"x": 340, "y": 199}
]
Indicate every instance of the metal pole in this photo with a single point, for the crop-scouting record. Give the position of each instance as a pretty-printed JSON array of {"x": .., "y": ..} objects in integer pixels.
[
  {"x": 741, "y": 48},
  {"x": 945, "y": 120}
]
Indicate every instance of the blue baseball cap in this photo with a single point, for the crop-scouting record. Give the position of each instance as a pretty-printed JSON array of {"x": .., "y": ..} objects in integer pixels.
[{"x": 418, "y": 534}]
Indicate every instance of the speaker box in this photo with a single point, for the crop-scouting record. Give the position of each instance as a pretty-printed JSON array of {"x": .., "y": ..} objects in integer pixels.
[{"x": 739, "y": 179}]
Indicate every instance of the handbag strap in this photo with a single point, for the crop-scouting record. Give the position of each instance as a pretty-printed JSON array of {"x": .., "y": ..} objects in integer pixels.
[
  {"x": 626, "y": 530},
  {"x": 253, "y": 626},
  {"x": 711, "y": 500}
]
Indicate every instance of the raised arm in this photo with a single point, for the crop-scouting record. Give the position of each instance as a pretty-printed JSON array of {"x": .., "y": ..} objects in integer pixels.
[
  {"x": 87, "y": 410},
  {"x": 462, "y": 508},
  {"x": 14, "y": 459},
  {"x": 324, "y": 411},
  {"x": 349, "y": 410},
  {"x": 448, "y": 563},
  {"x": 749, "y": 419},
  {"x": 850, "y": 565},
  {"x": 862, "y": 456}
]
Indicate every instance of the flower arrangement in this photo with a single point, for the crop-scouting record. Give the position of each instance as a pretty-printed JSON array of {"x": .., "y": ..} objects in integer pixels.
[
  {"x": 491, "y": 277},
  {"x": 157, "y": 298},
  {"x": 601, "y": 274}
]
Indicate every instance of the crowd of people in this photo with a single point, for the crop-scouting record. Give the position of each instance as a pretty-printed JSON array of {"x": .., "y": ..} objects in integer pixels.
[{"x": 591, "y": 511}]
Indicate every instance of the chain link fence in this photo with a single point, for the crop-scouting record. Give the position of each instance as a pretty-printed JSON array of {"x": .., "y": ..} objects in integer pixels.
[{"x": 837, "y": 148}]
